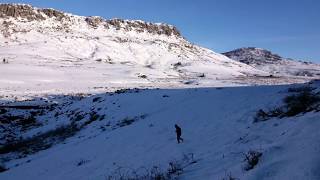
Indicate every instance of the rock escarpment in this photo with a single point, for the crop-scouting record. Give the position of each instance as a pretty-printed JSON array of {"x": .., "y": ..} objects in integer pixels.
[{"x": 29, "y": 13}]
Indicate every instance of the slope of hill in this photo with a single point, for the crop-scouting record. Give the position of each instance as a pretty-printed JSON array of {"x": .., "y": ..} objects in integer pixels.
[
  {"x": 53, "y": 49},
  {"x": 130, "y": 133},
  {"x": 267, "y": 61},
  {"x": 49, "y": 51}
]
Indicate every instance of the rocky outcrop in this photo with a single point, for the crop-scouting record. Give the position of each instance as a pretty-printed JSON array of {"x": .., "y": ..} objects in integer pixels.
[
  {"x": 94, "y": 21},
  {"x": 53, "y": 13},
  {"x": 28, "y": 12},
  {"x": 138, "y": 26},
  {"x": 153, "y": 28}
]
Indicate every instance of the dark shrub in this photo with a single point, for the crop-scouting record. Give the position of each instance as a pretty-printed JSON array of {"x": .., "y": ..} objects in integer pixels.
[
  {"x": 178, "y": 64},
  {"x": 127, "y": 121},
  {"x": 229, "y": 177},
  {"x": 252, "y": 159},
  {"x": 261, "y": 115},
  {"x": 2, "y": 168},
  {"x": 78, "y": 117},
  {"x": 175, "y": 168},
  {"x": 202, "y": 75},
  {"x": 2, "y": 111},
  {"x": 92, "y": 117},
  {"x": 301, "y": 102},
  {"x": 82, "y": 162},
  {"x": 96, "y": 99},
  {"x": 27, "y": 122},
  {"x": 120, "y": 91},
  {"x": 173, "y": 171},
  {"x": 40, "y": 142},
  {"x": 143, "y": 76}
]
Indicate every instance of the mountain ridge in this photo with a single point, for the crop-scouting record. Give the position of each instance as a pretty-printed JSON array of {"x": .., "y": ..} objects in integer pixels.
[
  {"x": 31, "y": 13},
  {"x": 273, "y": 63}
]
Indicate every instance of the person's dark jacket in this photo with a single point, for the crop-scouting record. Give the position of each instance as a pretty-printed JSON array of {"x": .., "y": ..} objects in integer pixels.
[{"x": 178, "y": 130}]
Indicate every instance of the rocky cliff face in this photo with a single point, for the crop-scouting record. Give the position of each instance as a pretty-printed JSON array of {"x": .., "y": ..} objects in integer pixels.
[
  {"x": 29, "y": 13},
  {"x": 139, "y": 26}
]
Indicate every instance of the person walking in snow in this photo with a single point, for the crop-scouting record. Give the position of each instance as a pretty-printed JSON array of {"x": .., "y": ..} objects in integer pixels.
[{"x": 178, "y": 132}]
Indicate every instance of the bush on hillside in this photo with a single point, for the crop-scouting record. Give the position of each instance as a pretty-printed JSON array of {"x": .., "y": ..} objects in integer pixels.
[
  {"x": 300, "y": 100},
  {"x": 173, "y": 171},
  {"x": 229, "y": 177},
  {"x": 252, "y": 159},
  {"x": 2, "y": 168},
  {"x": 40, "y": 142}
]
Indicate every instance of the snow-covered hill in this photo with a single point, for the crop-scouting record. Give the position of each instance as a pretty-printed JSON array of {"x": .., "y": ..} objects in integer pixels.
[
  {"x": 63, "y": 52},
  {"x": 274, "y": 64},
  {"x": 131, "y": 133},
  {"x": 49, "y": 51}
]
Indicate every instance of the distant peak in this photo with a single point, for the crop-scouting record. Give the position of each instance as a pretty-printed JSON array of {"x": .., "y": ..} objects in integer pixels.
[
  {"x": 252, "y": 50},
  {"x": 250, "y": 55}
]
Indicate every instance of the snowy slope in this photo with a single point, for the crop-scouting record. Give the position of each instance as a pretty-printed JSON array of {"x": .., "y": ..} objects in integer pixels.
[
  {"x": 54, "y": 52},
  {"x": 274, "y": 64},
  {"x": 134, "y": 130}
]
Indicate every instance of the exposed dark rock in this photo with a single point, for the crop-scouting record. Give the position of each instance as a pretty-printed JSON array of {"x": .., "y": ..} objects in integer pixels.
[
  {"x": 28, "y": 12},
  {"x": 8, "y": 10},
  {"x": 94, "y": 21},
  {"x": 141, "y": 26},
  {"x": 53, "y": 13}
]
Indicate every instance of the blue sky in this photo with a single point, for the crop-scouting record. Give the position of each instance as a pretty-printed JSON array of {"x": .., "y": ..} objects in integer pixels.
[{"x": 290, "y": 28}]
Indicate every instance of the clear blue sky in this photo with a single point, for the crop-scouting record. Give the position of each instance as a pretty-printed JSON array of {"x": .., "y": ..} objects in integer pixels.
[{"x": 290, "y": 28}]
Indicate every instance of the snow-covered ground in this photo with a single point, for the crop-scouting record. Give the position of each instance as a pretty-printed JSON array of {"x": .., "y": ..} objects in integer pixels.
[
  {"x": 59, "y": 104},
  {"x": 217, "y": 126}
]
